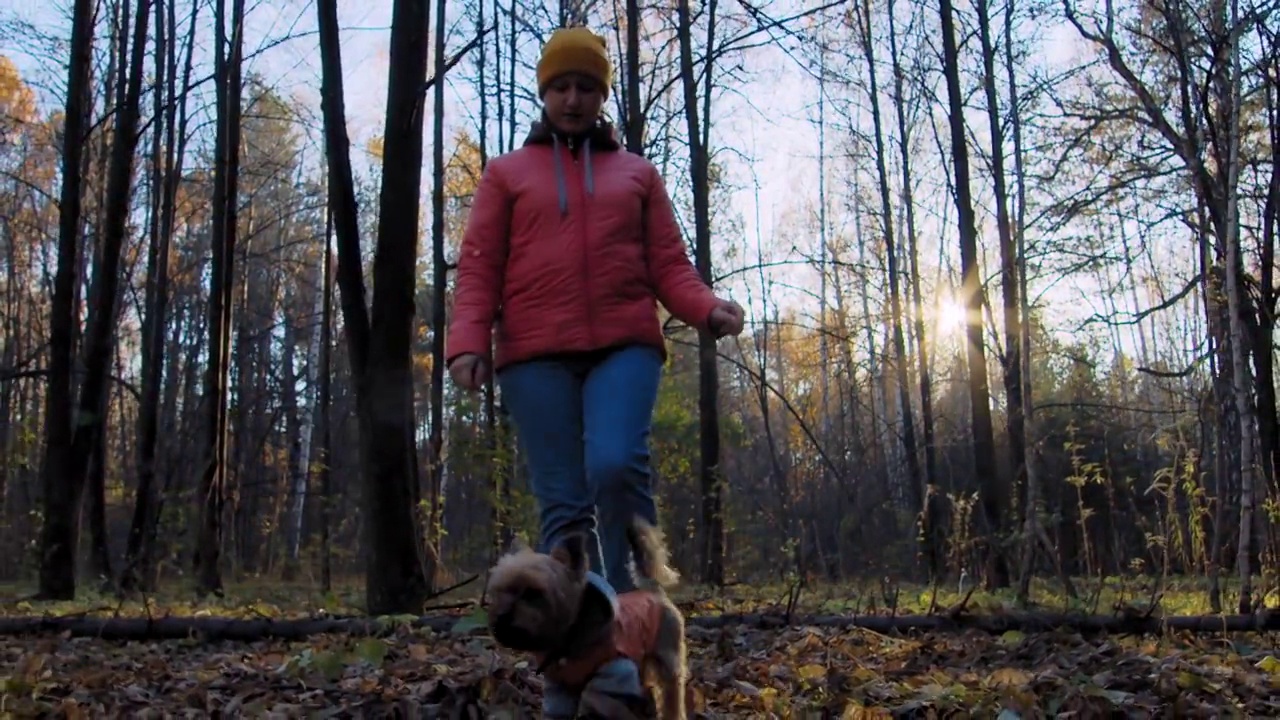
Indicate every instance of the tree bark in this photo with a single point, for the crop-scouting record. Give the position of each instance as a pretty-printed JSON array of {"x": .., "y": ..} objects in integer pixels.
[
  {"x": 708, "y": 382},
  {"x": 929, "y": 513},
  {"x": 213, "y": 476},
  {"x": 380, "y": 342},
  {"x": 984, "y": 460},
  {"x": 1011, "y": 359},
  {"x": 439, "y": 292},
  {"x": 59, "y": 535},
  {"x": 138, "y": 570},
  {"x": 1240, "y": 380},
  {"x": 90, "y": 426},
  {"x": 916, "y": 491},
  {"x": 324, "y": 454},
  {"x": 635, "y": 114}
]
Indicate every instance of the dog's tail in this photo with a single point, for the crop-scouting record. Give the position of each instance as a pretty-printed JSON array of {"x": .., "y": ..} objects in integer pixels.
[{"x": 652, "y": 564}]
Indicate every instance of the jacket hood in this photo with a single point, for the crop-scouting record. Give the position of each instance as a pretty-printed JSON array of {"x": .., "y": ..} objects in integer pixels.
[
  {"x": 595, "y": 617},
  {"x": 601, "y": 592},
  {"x": 604, "y": 136}
]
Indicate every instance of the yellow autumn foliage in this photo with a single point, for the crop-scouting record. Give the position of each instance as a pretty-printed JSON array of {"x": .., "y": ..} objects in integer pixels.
[{"x": 17, "y": 102}]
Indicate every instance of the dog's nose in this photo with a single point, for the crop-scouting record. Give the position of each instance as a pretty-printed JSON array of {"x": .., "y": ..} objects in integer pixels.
[
  {"x": 499, "y": 622},
  {"x": 510, "y": 635}
]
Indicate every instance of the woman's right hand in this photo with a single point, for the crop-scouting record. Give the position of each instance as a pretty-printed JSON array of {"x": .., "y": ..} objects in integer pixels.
[{"x": 469, "y": 371}]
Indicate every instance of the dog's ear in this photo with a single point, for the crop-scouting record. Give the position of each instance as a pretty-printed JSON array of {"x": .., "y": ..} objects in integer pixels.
[{"x": 572, "y": 553}]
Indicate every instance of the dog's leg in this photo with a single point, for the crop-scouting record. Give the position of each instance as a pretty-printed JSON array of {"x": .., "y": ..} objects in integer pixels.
[{"x": 671, "y": 657}]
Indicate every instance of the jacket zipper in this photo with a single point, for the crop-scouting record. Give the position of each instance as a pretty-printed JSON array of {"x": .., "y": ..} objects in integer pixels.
[{"x": 582, "y": 239}]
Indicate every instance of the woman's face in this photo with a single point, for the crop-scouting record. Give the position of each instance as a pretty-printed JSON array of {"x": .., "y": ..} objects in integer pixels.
[{"x": 573, "y": 103}]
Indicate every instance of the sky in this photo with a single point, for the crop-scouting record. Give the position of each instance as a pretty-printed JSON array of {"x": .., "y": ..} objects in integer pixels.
[
  {"x": 293, "y": 68},
  {"x": 784, "y": 144}
]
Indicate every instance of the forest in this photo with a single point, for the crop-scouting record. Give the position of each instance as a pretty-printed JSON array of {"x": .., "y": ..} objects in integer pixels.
[{"x": 1007, "y": 383}]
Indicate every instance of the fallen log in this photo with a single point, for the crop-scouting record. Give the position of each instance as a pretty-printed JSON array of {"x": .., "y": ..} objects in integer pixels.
[
  {"x": 1000, "y": 623},
  {"x": 215, "y": 628},
  {"x": 248, "y": 630}
]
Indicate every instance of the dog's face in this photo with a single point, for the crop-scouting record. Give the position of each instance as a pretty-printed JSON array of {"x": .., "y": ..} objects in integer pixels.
[{"x": 534, "y": 598}]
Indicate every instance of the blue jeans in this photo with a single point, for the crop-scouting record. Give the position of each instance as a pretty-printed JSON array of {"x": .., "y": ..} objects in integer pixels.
[
  {"x": 618, "y": 677},
  {"x": 584, "y": 425}
]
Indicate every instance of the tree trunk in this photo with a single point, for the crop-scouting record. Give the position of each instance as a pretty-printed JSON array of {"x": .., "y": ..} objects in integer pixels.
[
  {"x": 877, "y": 407},
  {"x": 213, "y": 478},
  {"x": 88, "y": 444},
  {"x": 306, "y": 430},
  {"x": 635, "y": 112},
  {"x": 708, "y": 382},
  {"x": 933, "y": 541},
  {"x": 162, "y": 159},
  {"x": 984, "y": 460},
  {"x": 1032, "y": 530},
  {"x": 396, "y": 580},
  {"x": 90, "y": 427},
  {"x": 116, "y": 81},
  {"x": 323, "y": 456},
  {"x": 1240, "y": 380},
  {"x": 140, "y": 551},
  {"x": 439, "y": 293},
  {"x": 916, "y": 492},
  {"x": 512, "y": 50},
  {"x": 380, "y": 345},
  {"x": 499, "y": 467},
  {"x": 59, "y": 535},
  {"x": 826, "y": 269},
  {"x": 1264, "y": 358},
  {"x": 99, "y": 545},
  {"x": 241, "y": 517},
  {"x": 1011, "y": 361}
]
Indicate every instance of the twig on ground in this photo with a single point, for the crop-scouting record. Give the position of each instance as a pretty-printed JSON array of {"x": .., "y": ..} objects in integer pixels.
[
  {"x": 959, "y": 608},
  {"x": 454, "y": 586},
  {"x": 464, "y": 605}
]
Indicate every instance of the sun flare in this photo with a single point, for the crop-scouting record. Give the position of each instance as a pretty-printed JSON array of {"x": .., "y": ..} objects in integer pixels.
[{"x": 951, "y": 317}]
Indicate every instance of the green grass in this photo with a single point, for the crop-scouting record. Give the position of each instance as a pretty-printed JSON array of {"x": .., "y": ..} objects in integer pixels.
[
  {"x": 1180, "y": 596},
  {"x": 255, "y": 598}
]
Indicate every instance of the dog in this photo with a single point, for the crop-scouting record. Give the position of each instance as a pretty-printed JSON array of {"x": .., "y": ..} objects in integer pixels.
[{"x": 550, "y": 605}]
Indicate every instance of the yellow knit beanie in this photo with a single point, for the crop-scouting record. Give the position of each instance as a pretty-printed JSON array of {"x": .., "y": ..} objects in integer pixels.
[{"x": 574, "y": 49}]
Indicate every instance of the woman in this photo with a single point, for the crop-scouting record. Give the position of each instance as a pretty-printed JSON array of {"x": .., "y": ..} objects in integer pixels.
[
  {"x": 570, "y": 244},
  {"x": 574, "y": 239}
]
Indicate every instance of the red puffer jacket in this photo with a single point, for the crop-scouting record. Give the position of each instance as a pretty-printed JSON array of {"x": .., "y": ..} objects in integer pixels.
[{"x": 569, "y": 251}]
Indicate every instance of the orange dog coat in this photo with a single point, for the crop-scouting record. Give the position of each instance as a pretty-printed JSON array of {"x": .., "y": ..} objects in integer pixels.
[{"x": 634, "y": 633}]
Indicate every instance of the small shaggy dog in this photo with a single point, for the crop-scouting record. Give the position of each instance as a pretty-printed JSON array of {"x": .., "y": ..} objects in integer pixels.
[{"x": 580, "y": 632}]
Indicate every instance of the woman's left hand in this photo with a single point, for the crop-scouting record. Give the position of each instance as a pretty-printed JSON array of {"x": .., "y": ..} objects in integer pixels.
[{"x": 726, "y": 318}]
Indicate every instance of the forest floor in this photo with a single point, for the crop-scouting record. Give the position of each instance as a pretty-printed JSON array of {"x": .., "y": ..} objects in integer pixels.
[{"x": 736, "y": 671}]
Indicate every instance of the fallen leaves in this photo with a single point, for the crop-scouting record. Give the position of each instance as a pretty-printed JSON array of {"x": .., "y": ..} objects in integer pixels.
[
  {"x": 179, "y": 679},
  {"x": 735, "y": 673},
  {"x": 976, "y": 675},
  {"x": 753, "y": 670}
]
